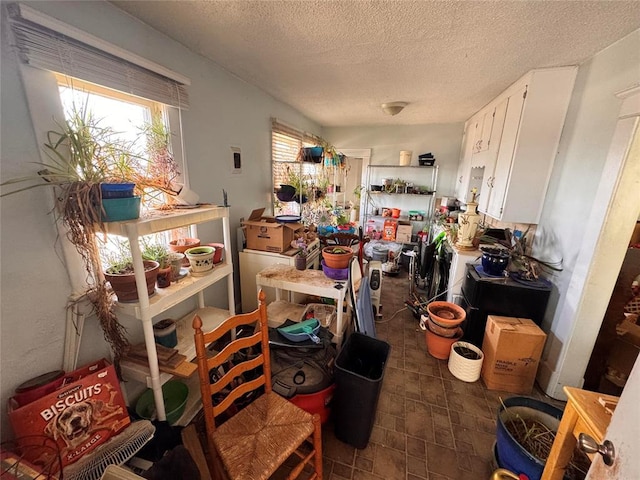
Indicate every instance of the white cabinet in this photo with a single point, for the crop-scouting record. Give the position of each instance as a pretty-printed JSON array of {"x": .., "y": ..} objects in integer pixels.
[
  {"x": 463, "y": 183},
  {"x": 148, "y": 307},
  {"x": 254, "y": 261},
  {"x": 517, "y": 164},
  {"x": 482, "y": 128},
  {"x": 458, "y": 270}
]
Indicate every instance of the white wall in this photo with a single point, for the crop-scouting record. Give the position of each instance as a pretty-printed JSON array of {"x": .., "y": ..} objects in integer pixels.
[
  {"x": 34, "y": 284},
  {"x": 583, "y": 149},
  {"x": 443, "y": 140}
]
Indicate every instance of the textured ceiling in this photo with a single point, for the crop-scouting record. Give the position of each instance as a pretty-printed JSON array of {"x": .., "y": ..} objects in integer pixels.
[{"x": 337, "y": 61}]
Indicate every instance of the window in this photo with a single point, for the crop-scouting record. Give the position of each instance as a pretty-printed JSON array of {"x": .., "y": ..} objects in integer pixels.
[{"x": 128, "y": 117}]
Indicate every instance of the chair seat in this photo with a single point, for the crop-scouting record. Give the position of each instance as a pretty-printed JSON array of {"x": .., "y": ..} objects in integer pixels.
[{"x": 250, "y": 443}]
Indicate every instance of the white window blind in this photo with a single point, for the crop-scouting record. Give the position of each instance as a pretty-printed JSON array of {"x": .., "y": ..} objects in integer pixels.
[
  {"x": 286, "y": 142},
  {"x": 46, "y": 48}
]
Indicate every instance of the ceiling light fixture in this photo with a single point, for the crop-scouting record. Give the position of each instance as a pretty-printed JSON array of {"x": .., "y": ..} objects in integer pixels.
[{"x": 393, "y": 108}]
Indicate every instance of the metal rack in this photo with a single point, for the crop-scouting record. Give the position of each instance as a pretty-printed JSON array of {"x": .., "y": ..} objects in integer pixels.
[{"x": 423, "y": 176}]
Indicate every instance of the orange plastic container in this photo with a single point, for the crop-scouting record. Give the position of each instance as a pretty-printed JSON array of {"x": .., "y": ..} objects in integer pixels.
[{"x": 316, "y": 402}]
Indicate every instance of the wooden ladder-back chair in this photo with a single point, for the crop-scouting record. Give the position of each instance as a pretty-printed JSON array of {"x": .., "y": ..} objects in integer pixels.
[{"x": 254, "y": 442}]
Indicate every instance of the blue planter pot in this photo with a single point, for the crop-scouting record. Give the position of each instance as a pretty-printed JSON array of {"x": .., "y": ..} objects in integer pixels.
[
  {"x": 120, "y": 209},
  {"x": 117, "y": 190},
  {"x": 510, "y": 454}
]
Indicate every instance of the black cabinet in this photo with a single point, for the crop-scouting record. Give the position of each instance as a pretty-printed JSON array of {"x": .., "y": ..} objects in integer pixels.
[{"x": 483, "y": 296}]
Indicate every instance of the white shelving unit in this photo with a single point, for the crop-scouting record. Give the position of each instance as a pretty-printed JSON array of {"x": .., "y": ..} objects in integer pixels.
[
  {"x": 146, "y": 308},
  {"x": 422, "y": 177}
]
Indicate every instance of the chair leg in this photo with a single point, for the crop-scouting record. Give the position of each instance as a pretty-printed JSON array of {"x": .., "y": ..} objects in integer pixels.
[{"x": 317, "y": 445}]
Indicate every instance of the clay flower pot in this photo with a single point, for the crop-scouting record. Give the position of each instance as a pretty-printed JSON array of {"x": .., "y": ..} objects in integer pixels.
[
  {"x": 446, "y": 314},
  {"x": 337, "y": 256},
  {"x": 124, "y": 284},
  {"x": 443, "y": 331},
  {"x": 440, "y": 347}
]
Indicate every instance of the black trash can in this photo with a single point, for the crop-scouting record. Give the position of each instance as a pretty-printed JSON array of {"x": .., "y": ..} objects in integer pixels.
[{"x": 359, "y": 371}]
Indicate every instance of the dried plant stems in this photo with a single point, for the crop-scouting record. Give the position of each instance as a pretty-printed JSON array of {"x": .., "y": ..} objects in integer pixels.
[{"x": 79, "y": 208}]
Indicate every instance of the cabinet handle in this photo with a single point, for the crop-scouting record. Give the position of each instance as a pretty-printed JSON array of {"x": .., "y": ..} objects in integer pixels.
[
  {"x": 460, "y": 179},
  {"x": 489, "y": 182}
]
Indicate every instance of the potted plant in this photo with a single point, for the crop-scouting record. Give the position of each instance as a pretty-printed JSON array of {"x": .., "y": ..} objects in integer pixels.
[
  {"x": 516, "y": 250},
  {"x": 158, "y": 253},
  {"x": 300, "y": 260},
  {"x": 160, "y": 172},
  {"x": 120, "y": 275},
  {"x": 337, "y": 256},
  {"x": 83, "y": 154}
]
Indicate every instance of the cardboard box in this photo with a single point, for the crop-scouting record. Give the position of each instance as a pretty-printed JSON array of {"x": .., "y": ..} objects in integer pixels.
[
  {"x": 264, "y": 233},
  {"x": 82, "y": 414},
  {"x": 512, "y": 348},
  {"x": 403, "y": 233}
]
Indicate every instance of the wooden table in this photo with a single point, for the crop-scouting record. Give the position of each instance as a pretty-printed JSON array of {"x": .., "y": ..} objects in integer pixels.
[
  {"x": 583, "y": 414},
  {"x": 310, "y": 282}
]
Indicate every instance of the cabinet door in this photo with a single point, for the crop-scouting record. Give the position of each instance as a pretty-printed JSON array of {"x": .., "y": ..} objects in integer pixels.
[
  {"x": 500, "y": 179},
  {"x": 491, "y": 155},
  {"x": 464, "y": 166}
]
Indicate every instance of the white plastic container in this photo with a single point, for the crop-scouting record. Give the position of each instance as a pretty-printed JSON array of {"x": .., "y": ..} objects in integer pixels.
[
  {"x": 465, "y": 369},
  {"x": 405, "y": 158}
]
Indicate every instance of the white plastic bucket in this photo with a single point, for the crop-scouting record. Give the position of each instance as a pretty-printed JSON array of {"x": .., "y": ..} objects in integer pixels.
[
  {"x": 465, "y": 369},
  {"x": 405, "y": 158}
]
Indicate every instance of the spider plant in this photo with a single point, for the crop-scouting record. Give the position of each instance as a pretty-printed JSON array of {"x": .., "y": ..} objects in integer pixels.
[{"x": 82, "y": 154}]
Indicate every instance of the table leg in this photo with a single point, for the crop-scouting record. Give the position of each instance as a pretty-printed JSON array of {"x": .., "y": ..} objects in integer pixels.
[
  {"x": 339, "y": 307},
  {"x": 563, "y": 445}
]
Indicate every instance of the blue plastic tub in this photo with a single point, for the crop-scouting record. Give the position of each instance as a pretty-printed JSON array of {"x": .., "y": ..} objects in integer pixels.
[
  {"x": 117, "y": 190},
  {"x": 120, "y": 209},
  {"x": 510, "y": 454}
]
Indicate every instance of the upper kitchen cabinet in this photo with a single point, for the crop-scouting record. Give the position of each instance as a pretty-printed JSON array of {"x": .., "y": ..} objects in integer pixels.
[
  {"x": 513, "y": 173},
  {"x": 463, "y": 183}
]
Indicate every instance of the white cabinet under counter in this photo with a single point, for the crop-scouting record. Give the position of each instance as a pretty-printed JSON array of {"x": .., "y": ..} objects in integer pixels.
[{"x": 457, "y": 270}]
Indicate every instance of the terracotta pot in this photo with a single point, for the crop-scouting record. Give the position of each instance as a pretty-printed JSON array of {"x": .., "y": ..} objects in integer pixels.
[
  {"x": 440, "y": 347},
  {"x": 446, "y": 314},
  {"x": 439, "y": 329},
  {"x": 217, "y": 255},
  {"x": 164, "y": 277},
  {"x": 337, "y": 260},
  {"x": 124, "y": 285}
]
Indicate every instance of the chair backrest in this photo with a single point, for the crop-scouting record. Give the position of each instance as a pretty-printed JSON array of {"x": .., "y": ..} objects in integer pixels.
[
  {"x": 343, "y": 239},
  {"x": 231, "y": 362}
]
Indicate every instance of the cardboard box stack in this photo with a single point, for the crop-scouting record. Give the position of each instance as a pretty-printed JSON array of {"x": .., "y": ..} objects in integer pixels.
[{"x": 512, "y": 348}]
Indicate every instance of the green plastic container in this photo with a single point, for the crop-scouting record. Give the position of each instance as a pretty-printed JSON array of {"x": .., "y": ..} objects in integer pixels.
[
  {"x": 120, "y": 209},
  {"x": 174, "y": 394}
]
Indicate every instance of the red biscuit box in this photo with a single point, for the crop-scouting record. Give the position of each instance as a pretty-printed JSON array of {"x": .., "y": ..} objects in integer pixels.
[{"x": 80, "y": 415}]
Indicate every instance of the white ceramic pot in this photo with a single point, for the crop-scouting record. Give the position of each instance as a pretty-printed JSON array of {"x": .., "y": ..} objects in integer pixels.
[
  {"x": 465, "y": 369},
  {"x": 200, "y": 259}
]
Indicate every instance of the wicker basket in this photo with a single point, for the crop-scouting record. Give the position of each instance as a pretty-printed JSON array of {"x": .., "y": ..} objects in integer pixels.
[{"x": 465, "y": 369}]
